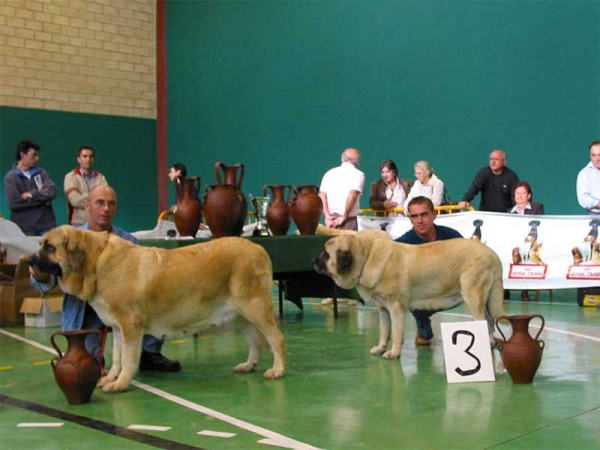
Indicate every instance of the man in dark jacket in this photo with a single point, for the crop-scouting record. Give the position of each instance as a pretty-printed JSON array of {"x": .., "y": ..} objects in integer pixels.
[
  {"x": 496, "y": 183},
  {"x": 30, "y": 191}
]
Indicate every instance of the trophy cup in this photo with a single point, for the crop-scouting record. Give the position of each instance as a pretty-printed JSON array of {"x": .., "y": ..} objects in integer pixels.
[{"x": 260, "y": 205}]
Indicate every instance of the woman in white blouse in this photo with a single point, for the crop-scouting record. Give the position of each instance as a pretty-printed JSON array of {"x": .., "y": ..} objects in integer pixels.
[{"x": 427, "y": 185}]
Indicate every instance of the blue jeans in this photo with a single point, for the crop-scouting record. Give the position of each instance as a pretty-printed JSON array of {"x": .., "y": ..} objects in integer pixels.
[{"x": 79, "y": 315}]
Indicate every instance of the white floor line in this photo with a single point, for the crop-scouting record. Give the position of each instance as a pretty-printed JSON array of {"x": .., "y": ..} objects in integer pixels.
[
  {"x": 274, "y": 437},
  {"x": 148, "y": 428},
  {"x": 40, "y": 425},
  {"x": 216, "y": 434}
]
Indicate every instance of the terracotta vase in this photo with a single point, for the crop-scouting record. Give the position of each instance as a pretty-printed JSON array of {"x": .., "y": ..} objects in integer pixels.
[
  {"x": 521, "y": 354},
  {"x": 279, "y": 217},
  {"x": 229, "y": 175},
  {"x": 76, "y": 372},
  {"x": 188, "y": 208},
  {"x": 306, "y": 208},
  {"x": 223, "y": 207}
]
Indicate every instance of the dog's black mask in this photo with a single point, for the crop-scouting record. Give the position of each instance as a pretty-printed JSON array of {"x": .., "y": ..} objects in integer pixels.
[
  {"x": 40, "y": 262},
  {"x": 319, "y": 262}
]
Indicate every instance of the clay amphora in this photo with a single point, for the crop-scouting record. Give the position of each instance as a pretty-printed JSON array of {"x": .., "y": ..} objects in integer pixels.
[
  {"x": 306, "y": 208},
  {"x": 223, "y": 206},
  {"x": 76, "y": 372},
  {"x": 230, "y": 176},
  {"x": 188, "y": 209},
  {"x": 521, "y": 354},
  {"x": 279, "y": 217}
]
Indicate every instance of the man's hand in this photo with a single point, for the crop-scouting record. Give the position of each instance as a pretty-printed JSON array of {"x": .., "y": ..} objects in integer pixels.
[
  {"x": 39, "y": 276},
  {"x": 463, "y": 205},
  {"x": 339, "y": 221},
  {"x": 330, "y": 222}
]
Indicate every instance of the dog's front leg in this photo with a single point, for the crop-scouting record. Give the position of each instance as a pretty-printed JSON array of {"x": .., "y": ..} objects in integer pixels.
[
  {"x": 397, "y": 322},
  {"x": 127, "y": 360},
  {"x": 115, "y": 368},
  {"x": 384, "y": 332}
]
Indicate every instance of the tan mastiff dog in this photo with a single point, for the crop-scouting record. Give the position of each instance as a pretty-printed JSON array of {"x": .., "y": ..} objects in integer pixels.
[
  {"x": 399, "y": 277},
  {"x": 142, "y": 290},
  {"x": 369, "y": 234}
]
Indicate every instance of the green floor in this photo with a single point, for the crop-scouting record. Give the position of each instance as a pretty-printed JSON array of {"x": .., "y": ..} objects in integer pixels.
[{"x": 335, "y": 395}]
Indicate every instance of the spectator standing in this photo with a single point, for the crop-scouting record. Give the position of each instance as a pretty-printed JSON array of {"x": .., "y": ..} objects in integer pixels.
[
  {"x": 427, "y": 185},
  {"x": 390, "y": 191},
  {"x": 30, "y": 191},
  {"x": 78, "y": 184},
  {"x": 421, "y": 213},
  {"x": 340, "y": 191},
  {"x": 77, "y": 314},
  {"x": 588, "y": 181},
  {"x": 496, "y": 183}
]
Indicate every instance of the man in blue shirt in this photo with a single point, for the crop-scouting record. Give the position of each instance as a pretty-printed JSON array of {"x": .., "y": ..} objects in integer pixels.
[
  {"x": 101, "y": 207},
  {"x": 30, "y": 191},
  {"x": 422, "y": 214}
]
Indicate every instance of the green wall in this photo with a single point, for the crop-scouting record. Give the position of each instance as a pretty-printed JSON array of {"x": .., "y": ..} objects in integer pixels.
[
  {"x": 125, "y": 153},
  {"x": 285, "y": 86}
]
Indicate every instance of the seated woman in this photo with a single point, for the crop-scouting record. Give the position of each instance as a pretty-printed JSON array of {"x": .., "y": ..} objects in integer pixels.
[
  {"x": 525, "y": 205},
  {"x": 389, "y": 192},
  {"x": 427, "y": 185}
]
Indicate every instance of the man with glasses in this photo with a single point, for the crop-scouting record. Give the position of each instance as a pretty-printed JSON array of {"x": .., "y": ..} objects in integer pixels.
[
  {"x": 422, "y": 214},
  {"x": 496, "y": 183}
]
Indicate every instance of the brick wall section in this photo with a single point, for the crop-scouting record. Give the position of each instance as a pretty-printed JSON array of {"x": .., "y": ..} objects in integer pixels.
[{"x": 93, "y": 56}]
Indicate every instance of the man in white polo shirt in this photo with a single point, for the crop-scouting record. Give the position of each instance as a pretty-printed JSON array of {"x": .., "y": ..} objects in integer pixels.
[
  {"x": 340, "y": 192},
  {"x": 588, "y": 181}
]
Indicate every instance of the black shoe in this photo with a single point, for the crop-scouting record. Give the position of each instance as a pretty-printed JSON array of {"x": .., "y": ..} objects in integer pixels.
[
  {"x": 157, "y": 362},
  {"x": 506, "y": 294}
]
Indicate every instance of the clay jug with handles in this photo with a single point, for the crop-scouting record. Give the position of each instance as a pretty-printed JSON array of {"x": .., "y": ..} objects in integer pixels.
[
  {"x": 76, "y": 372},
  {"x": 279, "y": 216},
  {"x": 229, "y": 175},
  {"x": 188, "y": 208},
  {"x": 521, "y": 354},
  {"x": 306, "y": 208}
]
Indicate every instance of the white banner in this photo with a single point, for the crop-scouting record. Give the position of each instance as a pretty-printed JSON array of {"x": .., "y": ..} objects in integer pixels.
[{"x": 537, "y": 252}]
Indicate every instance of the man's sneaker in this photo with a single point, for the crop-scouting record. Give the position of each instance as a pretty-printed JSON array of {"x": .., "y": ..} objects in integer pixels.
[
  {"x": 157, "y": 362},
  {"x": 420, "y": 341}
]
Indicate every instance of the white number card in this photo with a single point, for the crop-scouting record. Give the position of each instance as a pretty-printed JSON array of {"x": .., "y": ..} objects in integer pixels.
[{"x": 467, "y": 352}]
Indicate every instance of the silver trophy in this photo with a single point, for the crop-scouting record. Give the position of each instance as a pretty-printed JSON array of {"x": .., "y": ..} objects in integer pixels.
[{"x": 260, "y": 205}]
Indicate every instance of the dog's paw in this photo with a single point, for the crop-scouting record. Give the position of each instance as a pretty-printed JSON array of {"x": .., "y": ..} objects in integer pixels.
[
  {"x": 245, "y": 367},
  {"x": 377, "y": 350},
  {"x": 391, "y": 355},
  {"x": 105, "y": 380},
  {"x": 272, "y": 374},
  {"x": 115, "y": 386}
]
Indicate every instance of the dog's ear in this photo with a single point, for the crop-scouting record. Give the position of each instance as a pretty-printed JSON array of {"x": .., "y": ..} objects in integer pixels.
[
  {"x": 344, "y": 261},
  {"x": 76, "y": 254}
]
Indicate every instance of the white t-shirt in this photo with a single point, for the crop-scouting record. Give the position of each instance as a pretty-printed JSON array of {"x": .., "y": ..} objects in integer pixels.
[{"x": 337, "y": 184}]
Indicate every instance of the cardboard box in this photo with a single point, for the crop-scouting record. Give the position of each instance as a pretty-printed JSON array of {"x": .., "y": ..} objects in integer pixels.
[
  {"x": 14, "y": 287},
  {"x": 42, "y": 312}
]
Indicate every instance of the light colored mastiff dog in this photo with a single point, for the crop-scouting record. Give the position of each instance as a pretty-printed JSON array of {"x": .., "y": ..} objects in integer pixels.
[
  {"x": 142, "y": 290},
  {"x": 400, "y": 277}
]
